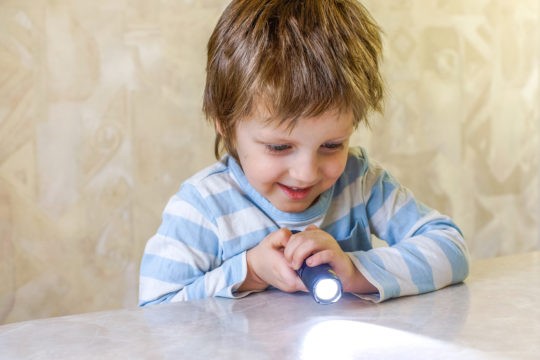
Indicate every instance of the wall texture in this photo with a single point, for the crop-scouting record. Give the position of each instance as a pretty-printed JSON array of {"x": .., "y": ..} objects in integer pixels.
[{"x": 100, "y": 121}]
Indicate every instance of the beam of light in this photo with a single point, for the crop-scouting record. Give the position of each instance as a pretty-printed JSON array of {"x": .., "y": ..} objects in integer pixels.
[{"x": 346, "y": 339}]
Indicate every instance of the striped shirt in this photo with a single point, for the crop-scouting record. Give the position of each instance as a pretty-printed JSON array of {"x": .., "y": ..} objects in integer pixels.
[{"x": 208, "y": 225}]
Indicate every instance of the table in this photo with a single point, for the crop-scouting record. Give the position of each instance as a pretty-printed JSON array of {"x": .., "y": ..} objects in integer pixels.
[{"x": 493, "y": 315}]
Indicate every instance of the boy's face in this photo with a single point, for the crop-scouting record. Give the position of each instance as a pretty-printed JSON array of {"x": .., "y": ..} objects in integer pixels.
[{"x": 291, "y": 168}]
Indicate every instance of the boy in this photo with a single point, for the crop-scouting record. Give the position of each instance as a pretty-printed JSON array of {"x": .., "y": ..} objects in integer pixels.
[{"x": 287, "y": 84}]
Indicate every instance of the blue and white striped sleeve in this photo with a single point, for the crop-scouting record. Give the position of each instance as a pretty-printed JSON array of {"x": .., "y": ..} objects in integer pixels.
[
  {"x": 182, "y": 261},
  {"x": 426, "y": 249}
]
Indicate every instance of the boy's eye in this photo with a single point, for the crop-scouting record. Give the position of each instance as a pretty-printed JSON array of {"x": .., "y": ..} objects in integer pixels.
[
  {"x": 277, "y": 148},
  {"x": 332, "y": 146}
]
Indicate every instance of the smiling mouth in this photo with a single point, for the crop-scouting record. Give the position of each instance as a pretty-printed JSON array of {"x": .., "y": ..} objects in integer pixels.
[{"x": 295, "y": 193}]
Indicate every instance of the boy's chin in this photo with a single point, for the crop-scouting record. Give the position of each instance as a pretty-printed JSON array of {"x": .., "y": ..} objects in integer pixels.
[
  {"x": 293, "y": 206},
  {"x": 293, "y": 209}
]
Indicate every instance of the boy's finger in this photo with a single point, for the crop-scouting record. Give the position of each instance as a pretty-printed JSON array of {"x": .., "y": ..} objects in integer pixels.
[
  {"x": 279, "y": 238},
  {"x": 321, "y": 257},
  {"x": 300, "y": 285}
]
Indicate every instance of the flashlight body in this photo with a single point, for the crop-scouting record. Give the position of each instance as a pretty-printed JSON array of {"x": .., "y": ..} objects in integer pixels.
[{"x": 313, "y": 276}]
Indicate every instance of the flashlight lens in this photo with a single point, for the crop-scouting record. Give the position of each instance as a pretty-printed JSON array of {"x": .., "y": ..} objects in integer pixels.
[{"x": 327, "y": 289}]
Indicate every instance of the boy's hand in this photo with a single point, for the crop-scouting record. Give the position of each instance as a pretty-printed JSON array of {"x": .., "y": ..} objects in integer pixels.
[
  {"x": 318, "y": 247},
  {"x": 267, "y": 265}
]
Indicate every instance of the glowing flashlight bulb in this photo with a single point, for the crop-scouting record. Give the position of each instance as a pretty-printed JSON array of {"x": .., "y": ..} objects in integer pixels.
[{"x": 327, "y": 289}]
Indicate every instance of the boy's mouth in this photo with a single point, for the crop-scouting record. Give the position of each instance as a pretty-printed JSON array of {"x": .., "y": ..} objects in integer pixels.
[{"x": 295, "y": 193}]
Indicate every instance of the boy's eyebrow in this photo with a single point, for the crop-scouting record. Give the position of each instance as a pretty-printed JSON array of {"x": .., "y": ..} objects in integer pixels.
[
  {"x": 272, "y": 140},
  {"x": 339, "y": 139},
  {"x": 284, "y": 140}
]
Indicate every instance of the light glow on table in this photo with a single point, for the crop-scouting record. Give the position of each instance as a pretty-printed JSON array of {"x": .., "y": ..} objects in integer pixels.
[{"x": 346, "y": 339}]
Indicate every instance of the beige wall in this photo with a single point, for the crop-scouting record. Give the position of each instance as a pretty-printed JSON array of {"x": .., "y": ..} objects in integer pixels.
[{"x": 100, "y": 121}]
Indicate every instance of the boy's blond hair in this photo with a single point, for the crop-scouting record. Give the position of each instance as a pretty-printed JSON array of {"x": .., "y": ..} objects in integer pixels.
[{"x": 299, "y": 58}]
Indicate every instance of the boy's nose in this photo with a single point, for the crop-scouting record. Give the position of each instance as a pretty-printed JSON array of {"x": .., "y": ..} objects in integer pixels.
[{"x": 306, "y": 170}]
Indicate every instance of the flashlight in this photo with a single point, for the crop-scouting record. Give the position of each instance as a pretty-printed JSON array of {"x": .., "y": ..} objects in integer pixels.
[{"x": 321, "y": 281}]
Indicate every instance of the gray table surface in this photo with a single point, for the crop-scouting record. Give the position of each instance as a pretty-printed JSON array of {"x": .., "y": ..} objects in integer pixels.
[{"x": 493, "y": 315}]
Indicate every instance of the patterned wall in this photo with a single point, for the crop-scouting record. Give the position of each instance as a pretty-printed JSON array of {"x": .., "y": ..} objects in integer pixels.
[{"x": 100, "y": 120}]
